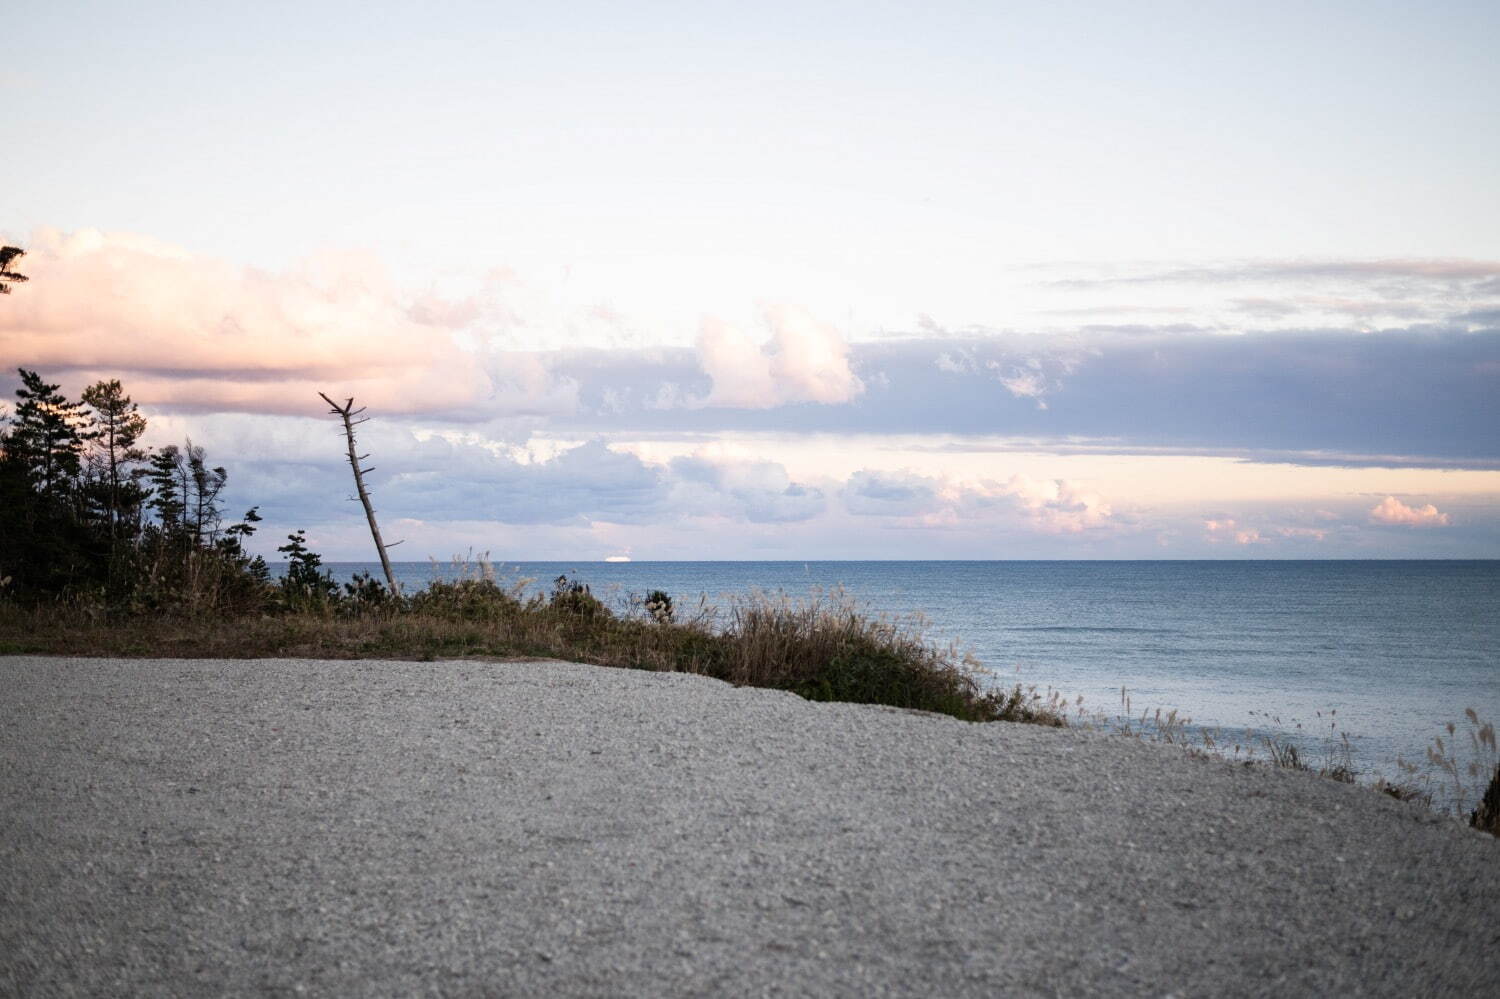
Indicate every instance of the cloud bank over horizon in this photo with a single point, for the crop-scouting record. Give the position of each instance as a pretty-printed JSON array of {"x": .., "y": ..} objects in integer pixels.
[
  {"x": 201, "y": 335},
  {"x": 485, "y": 426}
]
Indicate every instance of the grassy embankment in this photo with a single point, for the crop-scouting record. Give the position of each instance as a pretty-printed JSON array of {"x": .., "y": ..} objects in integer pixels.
[{"x": 822, "y": 648}]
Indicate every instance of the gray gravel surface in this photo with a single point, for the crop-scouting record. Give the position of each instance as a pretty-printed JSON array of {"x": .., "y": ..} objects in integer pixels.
[{"x": 475, "y": 828}]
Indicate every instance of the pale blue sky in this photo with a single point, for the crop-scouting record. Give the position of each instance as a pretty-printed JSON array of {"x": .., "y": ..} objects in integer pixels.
[
  {"x": 783, "y": 258},
  {"x": 872, "y": 139}
]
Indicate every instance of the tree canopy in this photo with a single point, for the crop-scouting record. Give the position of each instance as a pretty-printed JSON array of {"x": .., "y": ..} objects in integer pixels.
[{"x": 84, "y": 506}]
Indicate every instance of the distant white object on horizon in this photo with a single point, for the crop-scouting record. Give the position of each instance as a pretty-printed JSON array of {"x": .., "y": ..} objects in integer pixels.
[{"x": 617, "y": 558}]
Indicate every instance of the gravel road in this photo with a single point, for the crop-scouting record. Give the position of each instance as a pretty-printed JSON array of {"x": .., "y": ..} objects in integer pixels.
[{"x": 174, "y": 827}]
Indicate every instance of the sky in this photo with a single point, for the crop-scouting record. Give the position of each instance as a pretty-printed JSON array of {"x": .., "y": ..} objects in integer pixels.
[{"x": 783, "y": 281}]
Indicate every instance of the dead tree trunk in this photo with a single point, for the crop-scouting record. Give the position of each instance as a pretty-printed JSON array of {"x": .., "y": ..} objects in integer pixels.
[{"x": 347, "y": 412}]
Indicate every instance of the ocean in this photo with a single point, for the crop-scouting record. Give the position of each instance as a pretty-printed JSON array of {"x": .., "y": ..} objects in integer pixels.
[{"x": 1385, "y": 652}]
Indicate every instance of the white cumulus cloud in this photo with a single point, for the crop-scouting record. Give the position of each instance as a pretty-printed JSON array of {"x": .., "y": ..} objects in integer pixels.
[
  {"x": 1057, "y": 506},
  {"x": 1230, "y": 531},
  {"x": 805, "y": 360},
  {"x": 1392, "y": 511}
]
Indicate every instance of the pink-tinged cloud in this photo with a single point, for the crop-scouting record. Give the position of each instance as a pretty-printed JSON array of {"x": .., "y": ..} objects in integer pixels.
[
  {"x": 1228, "y": 530},
  {"x": 1023, "y": 384},
  {"x": 1303, "y": 533},
  {"x": 1059, "y": 506},
  {"x": 804, "y": 360},
  {"x": 185, "y": 330},
  {"x": 1050, "y": 506},
  {"x": 1392, "y": 511}
]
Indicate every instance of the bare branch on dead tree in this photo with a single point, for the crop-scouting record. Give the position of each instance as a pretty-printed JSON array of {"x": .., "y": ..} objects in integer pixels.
[{"x": 346, "y": 412}]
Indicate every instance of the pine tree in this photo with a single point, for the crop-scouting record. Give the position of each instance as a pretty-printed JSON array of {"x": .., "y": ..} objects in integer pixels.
[
  {"x": 44, "y": 544},
  {"x": 48, "y": 435},
  {"x": 305, "y": 583},
  {"x": 7, "y": 254},
  {"x": 205, "y": 484},
  {"x": 186, "y": 496},
  {"x": 167, "y": 498},
  {"x": 118, "y": 426}
]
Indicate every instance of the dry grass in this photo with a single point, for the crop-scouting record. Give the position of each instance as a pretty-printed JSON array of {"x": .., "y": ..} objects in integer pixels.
[
  {"x": 1478, "y": 778},
  {"x": 1471, "y": 791},
  {"x": 822, "y": 647}
]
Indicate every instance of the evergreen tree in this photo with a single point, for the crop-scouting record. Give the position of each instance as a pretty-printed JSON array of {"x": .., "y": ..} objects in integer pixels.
[
  {"x": 48, "y": 435},
  {"x": 67, "y": 530},
  {"x": 234, "y": 538},
  {"x": 186, "y": 495},
  {"x": 305, "y": 583},
  {"x": 45, "y": 545},
  {"x": 167, "y": 497},
  {"x": 7, "y": 254},
  {"x": 19, "y": 510},
  {"x": 202, "y": 496},
  {"x": 233, "y": 545},
  {"x": 118, "y": 426}
]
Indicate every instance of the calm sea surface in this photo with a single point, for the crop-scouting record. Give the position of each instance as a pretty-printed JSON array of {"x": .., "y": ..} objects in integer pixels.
[{"x": 1390, "y": 650}]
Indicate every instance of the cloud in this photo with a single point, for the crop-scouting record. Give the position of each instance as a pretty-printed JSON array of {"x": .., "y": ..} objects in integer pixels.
[
  {"x": 1268, "y": 308},
  {"x": 957, "y": 363},
  {"x": 1416, "y": 396},
  {"x": 1298, "y": 293},
  {"x": 431, "y": 309},
  {"x": 1435, "y": 270},
  {"x": 759, "y": 491},
  {"x": 545, "y": 496},
  {"x": 1480, "y": 317},
  {"x": 1023, "y": 383},
  {"x": 804, "y": 360},
  {"x": 1057, "y": 506},
  {"x": 1392, "y": 511},
  {"x": 1227, "y": 530},
  {"x": 1052, "y": 506},
  {"x": 462, "y": 477},
  {"x": 1255, "y": 456},
  {"x": 889, "y": 493},
  {"x": 442, "y": 479},
  {"x": 1028, "y": 367},
  {"x": 191, "y": 332},
  {"x": 525, "y": 384}
]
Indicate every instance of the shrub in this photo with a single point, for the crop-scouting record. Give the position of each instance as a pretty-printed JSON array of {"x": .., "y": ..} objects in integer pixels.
[
  {"x": 365, "y": 595},
  {"x": 305, "y": 586},
  {"x": 572, "y": 597},
  {"x": 659, "y": 606},
  {"x": 825, "y": 648},
  {"x": 466, "y": 599},
  {"x": 165, "y": 574},
  {"x": 1026, "y": 704}
]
